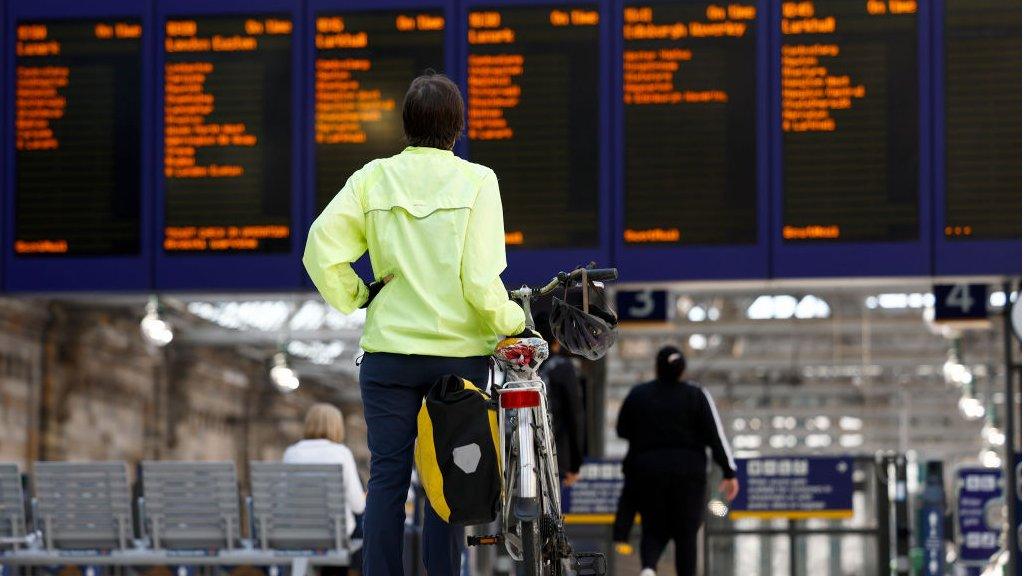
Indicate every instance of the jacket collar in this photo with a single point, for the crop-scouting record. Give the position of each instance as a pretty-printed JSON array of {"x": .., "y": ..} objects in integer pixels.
[{"x": 426, "y": 150}]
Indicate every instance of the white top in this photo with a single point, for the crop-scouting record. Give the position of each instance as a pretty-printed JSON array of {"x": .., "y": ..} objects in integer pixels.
[{"x": 322, "y": 451}]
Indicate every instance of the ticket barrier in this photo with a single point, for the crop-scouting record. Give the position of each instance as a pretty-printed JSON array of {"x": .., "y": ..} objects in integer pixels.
[{"x": 874, "y": 538}]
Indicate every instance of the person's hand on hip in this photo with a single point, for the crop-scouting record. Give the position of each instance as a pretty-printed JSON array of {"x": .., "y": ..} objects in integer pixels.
[{"x": 375, "y": 287}]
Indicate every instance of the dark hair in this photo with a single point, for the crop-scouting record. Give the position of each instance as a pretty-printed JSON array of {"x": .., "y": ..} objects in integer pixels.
[
  {"x": 433, "y": 112},
  {"x": 670, "y": 365}
]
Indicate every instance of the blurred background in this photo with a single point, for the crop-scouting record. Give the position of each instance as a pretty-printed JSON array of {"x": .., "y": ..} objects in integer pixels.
[{"x": 818, "y": 201}]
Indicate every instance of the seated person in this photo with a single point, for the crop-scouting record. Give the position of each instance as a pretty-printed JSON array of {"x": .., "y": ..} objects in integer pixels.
[{"x": 322, "y": 444}]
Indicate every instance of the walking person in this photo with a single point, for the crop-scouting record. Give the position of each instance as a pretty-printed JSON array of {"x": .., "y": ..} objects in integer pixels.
[
  {"x": 670, "y": 424},
  {"x": 564, "y": 402},
  {"x": 433, "y": 226}
]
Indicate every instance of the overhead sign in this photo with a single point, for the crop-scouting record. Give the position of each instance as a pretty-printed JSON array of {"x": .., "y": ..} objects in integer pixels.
[
  {"x": 979, "y": 514},
  {"x": 594, "y": 498},
  {"x": 642, "y": 305},
  {"x": 961, "y": 302},
  {"x": 794, "y": 488}
]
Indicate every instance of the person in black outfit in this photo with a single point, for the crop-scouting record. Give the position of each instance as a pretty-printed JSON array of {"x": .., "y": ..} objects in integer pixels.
[
  {"x": 564, "y": 403},
  {"x": 670, "y": 423}
]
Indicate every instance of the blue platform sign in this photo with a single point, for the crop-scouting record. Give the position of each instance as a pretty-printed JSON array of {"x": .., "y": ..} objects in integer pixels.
[
  {"x": 594, "y": 498},
  {"x": 961, "y": 302},
  {"x": 794, "y": 488},
  {"x": 979, "y": 514},
  {"x": 642, "y": 305}
]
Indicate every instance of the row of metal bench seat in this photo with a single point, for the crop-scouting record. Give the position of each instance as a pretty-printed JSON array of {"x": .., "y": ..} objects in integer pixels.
[{"x": 180, "y": 506}]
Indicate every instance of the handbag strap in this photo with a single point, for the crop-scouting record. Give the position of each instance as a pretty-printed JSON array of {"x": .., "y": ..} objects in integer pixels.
[
  {"x": 585, "y": 283},
  {"x": 586, "y": 292}
]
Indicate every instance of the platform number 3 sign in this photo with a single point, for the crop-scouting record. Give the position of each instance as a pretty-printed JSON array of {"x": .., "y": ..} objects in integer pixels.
[
  {"x": 642, "y": 305},
  {"x": 961, "y": 301}
]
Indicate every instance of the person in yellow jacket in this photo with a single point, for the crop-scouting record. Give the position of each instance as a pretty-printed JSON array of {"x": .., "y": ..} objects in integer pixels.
[{"x": 433, "y": 226}]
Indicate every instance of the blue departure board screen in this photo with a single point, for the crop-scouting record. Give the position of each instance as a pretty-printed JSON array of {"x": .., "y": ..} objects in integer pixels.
[
  {"x": 977, "y": 228},
  {"x": 78, "y": 145},
  {"x": 689, "y": 97},
  {"x": 229, "y": 195},
  {"x": 227, "y": 134},
  {"x": 533, "y": 105},
  {"x": 852, "y": 138},
  {"x": 188, "y": 144},
  {"x": 364, "y": 62},
  {"x": 77, "y": 137},
  {"x": 850, "y": 97},
  {"x": 983, "y": 120}
]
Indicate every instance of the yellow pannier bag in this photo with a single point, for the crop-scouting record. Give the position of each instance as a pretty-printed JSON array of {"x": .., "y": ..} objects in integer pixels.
[{"x": 457, "y": 452}]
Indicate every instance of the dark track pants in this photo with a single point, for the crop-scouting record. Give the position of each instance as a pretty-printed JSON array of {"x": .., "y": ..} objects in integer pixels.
[
  {"x": 671, "y": 508},
  {"x": 625, "y": 513},
  {"x": 393, "y": 386}
]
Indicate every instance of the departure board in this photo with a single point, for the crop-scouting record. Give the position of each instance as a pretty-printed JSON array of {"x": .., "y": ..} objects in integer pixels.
[
  {"x": 849, "y": 120},
  {"x": 364, "y": 64},
  {"x": 690, "y": 123},
  {"x": 983, "y": 119},
  {"x": 534, "y": 97},
  {"x": 77, "y": 137},
  {"x": 228, "y": 113}
]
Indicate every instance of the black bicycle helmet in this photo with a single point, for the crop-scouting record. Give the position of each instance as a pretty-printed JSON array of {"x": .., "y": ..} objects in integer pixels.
[{"x": 587, "y": 328}]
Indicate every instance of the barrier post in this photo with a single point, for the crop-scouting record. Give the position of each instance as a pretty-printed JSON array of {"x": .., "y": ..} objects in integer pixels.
[
  {"x": 931, "y": 512},
  {"x": 882, "y": 514},
  {"x": 902, "y": 524},
  {"x": 1010, "y": 457},
  {"x": 793, "y": 552}
]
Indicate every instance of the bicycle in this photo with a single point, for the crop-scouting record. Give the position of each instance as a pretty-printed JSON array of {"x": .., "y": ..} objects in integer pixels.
[{"x": 530, "y": 517}]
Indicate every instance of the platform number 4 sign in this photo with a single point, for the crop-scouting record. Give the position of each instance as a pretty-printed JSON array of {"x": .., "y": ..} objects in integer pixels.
[{"x": 961, "y": 301}]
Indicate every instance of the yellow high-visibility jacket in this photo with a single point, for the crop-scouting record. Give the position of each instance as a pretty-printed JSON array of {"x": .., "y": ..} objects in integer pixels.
[{"x": 434, "y": 222}]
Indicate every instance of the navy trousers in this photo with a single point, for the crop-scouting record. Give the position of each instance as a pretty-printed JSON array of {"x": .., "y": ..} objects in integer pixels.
[{"x": 393, "y": 387}]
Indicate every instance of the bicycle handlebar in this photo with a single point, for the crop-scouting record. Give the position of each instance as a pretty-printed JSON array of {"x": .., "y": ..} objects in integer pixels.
[
  {"x": 594, "y": 274},
  {"x": 603, "y": 274}
]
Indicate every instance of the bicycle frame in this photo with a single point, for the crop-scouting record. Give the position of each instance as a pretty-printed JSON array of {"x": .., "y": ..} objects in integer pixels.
[
  {"x": 533, "y": 431},
  {"x": 531, "y": 495}
]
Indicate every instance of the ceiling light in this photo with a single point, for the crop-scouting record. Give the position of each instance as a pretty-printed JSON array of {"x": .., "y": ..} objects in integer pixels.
[
  {"x": 993, "y": 435},
  {"x": 851, "y": 440},
  {"x": 971, "y": 408},
  {"x": 990, "y": 459},
  {"x": 698, "y": 341},
  {"x": 155, "y": 329},
  {"x": 851, "y": 423},
  {"x": 282, "y": 375}
]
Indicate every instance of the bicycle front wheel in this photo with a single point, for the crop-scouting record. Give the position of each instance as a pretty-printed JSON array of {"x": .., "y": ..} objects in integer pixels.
[{"x": 533, "y": 559}]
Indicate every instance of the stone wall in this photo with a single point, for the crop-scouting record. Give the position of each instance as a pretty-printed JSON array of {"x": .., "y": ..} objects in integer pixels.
[
  {"x": 80, "y": 383},
  {"x": 21, "y": 327}
]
